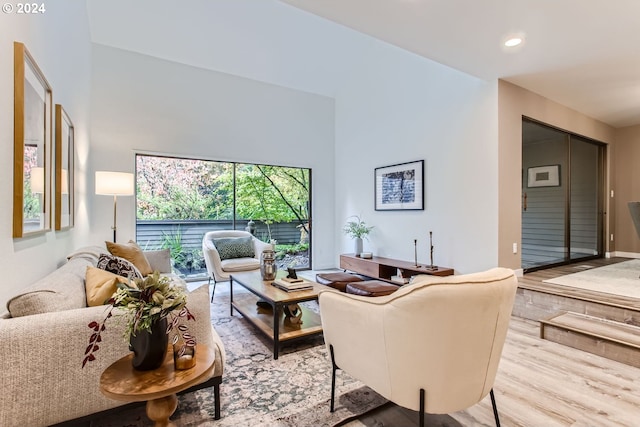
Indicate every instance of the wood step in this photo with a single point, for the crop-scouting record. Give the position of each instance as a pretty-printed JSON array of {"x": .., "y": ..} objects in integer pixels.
[{"x": 613, "y": 340}]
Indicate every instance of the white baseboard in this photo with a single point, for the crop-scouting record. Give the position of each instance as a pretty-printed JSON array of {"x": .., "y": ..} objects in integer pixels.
[{"x": 519, "y": 272}]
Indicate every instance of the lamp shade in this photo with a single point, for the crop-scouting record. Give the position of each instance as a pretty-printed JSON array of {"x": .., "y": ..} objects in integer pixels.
[
  {"x": 114, "y": 183},
  {"x": 37, "y": 180}
]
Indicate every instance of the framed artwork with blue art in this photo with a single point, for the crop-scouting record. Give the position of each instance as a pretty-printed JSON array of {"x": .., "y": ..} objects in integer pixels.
[{"x": 400, "y": 187}]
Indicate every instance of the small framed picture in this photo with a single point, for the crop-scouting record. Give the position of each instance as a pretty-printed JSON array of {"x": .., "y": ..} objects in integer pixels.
[
  {"x": 400, "y": 187},
  {"x": 543, "y": 176}
]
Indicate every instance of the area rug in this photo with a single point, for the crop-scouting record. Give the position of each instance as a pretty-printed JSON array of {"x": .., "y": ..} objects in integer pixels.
[
  {"x": 618, "y": 279},
  {"x": 260, "y": 391},
  {"x": 402, "y": 417}
]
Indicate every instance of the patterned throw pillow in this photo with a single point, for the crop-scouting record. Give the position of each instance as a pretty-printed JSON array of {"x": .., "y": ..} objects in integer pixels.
[
  {"x": 132, "y": 253},
  {"x": 119, "y": 266},
  {"x": 234, "y": 247}
]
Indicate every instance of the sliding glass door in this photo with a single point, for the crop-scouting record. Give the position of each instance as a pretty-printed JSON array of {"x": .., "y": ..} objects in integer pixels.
[
  {"x": 561, "y": 196},
  {"x": 585, "y": 217}
]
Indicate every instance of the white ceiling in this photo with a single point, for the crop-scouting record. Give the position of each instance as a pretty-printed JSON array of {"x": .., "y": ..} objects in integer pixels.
[{"x": 584, "y": 54}]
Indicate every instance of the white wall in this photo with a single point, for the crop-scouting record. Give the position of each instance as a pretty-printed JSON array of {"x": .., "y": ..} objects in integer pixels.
[
  {"x": 264, "y": 40},
  {"x": 392, "y": 107},
  {"x": 145, "y": 104},
  {"x": 58, "y": 40},
  {"x": 397, "y": 108}
]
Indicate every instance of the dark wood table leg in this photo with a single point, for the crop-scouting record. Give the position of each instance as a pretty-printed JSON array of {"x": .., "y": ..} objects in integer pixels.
[
  {"x": 277, "y": 309},
  {"x": 231, "y": 296}
]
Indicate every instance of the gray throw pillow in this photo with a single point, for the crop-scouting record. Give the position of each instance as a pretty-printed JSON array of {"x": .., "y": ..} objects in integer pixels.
[
  {"x": 159, "y": 260},
  {"x": 234, "y": 247}
]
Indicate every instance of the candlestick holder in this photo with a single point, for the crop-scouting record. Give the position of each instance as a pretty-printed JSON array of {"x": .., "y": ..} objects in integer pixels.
[{"x": 432, "y": 266}]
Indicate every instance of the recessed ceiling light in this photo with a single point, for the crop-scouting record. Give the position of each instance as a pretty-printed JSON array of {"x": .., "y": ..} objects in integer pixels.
[{"x": 513, "y": 42}]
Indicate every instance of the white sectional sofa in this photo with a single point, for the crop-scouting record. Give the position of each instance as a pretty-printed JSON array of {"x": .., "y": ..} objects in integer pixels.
[{"x": 45, "y": 333}]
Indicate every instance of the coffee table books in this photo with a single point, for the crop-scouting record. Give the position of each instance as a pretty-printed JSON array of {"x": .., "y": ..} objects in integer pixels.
[{"x": 292, "y": 286}]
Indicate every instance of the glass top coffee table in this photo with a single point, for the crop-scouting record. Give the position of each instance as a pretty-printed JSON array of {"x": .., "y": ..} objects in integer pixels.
[{"x": 271, "y": 320}]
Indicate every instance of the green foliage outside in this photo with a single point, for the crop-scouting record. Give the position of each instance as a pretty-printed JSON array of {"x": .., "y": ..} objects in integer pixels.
[
  {"x": 183, "y": 259},
  {"x": 282, "y": 250},
  {"x": 183, "y": 189},
  {"x": 169, "y": 188},
  {"x": 173, "y": 242},
  {"x": 177, "y": 189},
  {"x": 272, "y": 194}
]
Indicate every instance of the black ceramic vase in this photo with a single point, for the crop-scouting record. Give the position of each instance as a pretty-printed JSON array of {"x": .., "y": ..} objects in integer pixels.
[{"x": 149, "y": 347}]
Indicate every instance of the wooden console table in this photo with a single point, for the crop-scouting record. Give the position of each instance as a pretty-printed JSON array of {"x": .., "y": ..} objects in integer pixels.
[{"x": 383, "y": 268}]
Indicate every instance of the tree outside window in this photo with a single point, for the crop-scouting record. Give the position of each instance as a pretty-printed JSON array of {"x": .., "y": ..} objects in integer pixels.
[{"x": 178, "y": 200}]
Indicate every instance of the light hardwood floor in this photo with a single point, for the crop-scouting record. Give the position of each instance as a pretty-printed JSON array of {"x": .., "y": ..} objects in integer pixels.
[
  {"x": 535, "y": 281},
  {"x": 542, "y": 384}
]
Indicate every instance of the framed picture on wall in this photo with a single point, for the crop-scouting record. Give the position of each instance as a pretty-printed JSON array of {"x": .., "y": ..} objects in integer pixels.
[
  {"x": 64, "y": 168},
  {"x": 543, "y": 176},
  {"x": 31, "y": 147},
  {"x": 400, "y": 187}
]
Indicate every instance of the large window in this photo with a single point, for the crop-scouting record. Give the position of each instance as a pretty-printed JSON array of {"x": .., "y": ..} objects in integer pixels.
[{"x": 178, "y": 200}]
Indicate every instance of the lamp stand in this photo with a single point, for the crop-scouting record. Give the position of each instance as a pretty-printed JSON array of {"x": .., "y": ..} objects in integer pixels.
[{"x": 115, "y": 204}]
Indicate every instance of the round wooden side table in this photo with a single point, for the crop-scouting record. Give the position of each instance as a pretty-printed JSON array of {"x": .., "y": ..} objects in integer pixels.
[{"x": 157, "y": 387}]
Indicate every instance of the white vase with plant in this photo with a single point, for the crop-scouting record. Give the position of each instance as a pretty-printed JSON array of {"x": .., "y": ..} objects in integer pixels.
[{"x": 357, "y": 229}]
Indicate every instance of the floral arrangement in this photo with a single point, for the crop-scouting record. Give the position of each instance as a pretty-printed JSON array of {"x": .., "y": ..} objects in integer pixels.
[
  {"x": 356, "y": 229},
  {"x": 146, "y": 301}
]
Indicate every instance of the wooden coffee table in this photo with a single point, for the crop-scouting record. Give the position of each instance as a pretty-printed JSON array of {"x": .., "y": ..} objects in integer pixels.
[
  {"x": 157, "y": 387},
  {"x": 272, "y": 321}
]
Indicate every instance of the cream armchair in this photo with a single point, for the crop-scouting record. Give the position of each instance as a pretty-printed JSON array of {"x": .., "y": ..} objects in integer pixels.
[
  {"x": 220, "y": 269},
  {"x": 432, "y": 346}
]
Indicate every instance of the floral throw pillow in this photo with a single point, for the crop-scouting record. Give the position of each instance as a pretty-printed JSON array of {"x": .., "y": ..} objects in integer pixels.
[
  {"x": 234, "y": 247},
  {"x": 119, "y": 266}
]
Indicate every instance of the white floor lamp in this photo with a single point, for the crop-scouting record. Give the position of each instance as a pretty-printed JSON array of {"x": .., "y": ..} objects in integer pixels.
[{"x": 114, "y": 184}]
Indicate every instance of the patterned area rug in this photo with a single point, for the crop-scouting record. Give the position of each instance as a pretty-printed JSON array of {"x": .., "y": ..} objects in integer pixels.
[
  {"x": 259, "y": 391},
  {"x": 402, "y": 417},
  {"x": 619, "y": 279}
]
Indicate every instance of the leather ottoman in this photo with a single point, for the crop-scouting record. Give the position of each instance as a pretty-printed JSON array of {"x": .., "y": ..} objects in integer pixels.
[
  {"x": 371, "y": 288},
  {"x": 337, "y": 280}
]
